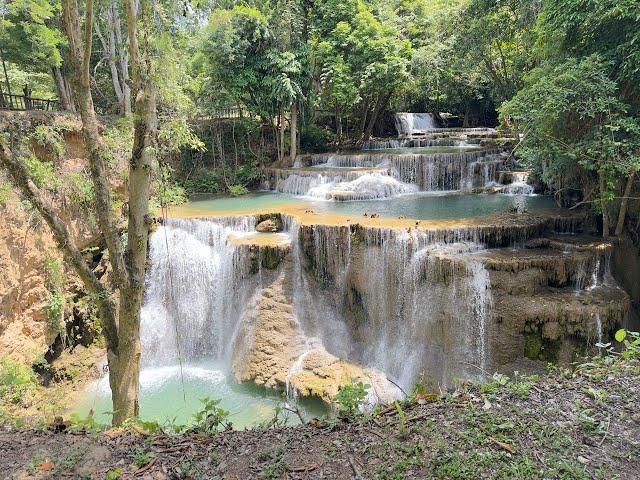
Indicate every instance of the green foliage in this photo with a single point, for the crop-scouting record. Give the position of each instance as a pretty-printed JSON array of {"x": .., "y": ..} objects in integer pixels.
[
  {"x": 314, "y": 138},
  {"x": 237, "y": 190},
  {"x": 80, "y": 191},
  {"x": 141, "y": 458},
  {"x": 17, "y": 382},
  {"x": 114, "y": 473},
  {"x": 42, "y": 173},
  {"x": 5, "y": 192},
  {"x": 211, "y": 417},
  {"x": 50, "y": 136},
  {"x": 630, "y": 341},
  {"x": 203, "y": 181},
  {"x": 88, "y": 423},
  {"x": 351, "y": 398}
]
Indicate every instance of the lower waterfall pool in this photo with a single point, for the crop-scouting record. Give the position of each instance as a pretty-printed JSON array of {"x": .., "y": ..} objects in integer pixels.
[
  {"x": 171, "y": 396},
  {"x": 422, "y": 206}
]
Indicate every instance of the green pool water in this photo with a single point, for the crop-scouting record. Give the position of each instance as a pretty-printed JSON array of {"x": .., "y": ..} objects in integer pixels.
[
  {"x": 169, "y": 397},
  {"x": 420, "y": 206}
]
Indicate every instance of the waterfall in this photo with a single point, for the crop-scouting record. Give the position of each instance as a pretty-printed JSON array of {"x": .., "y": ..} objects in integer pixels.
[
  {"x": 396, "y": 301},
  {"x": 195, "y": 287},
  {"x": 598, "y": 328},
  {"x": 430, "y": 171},
  {"x": 408, "y": 124},
  {"x": 346, "y": 185},
  {"x": 518, "y": 185}
]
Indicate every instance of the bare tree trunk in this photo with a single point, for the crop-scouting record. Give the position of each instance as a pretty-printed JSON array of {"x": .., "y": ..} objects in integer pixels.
[
  {"x": 624, "y": 203},
  {"x": 63, "y": 89},
  {"x": 293, "y": 149},
  {"x": 116, "y": 55},
  {"x": 339, "y": 124},
  {"x": 603, "y": 204},
  {"x": 382, "y": 101}
]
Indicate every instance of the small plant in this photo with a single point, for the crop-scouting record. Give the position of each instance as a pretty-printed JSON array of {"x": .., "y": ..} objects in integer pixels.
[
  {"x": 17, "y": 382},
  {"x": 631, "y": 342},
  {"x": 5, "y": 192},
  {"x": 237, "y": 190},
  {"x": 351, "y": 398},
  {"x": 211, "y": 417},
  {"x": 42, "y": 173},
  {"x": 141, "y": 458},
  {"x": 114, "y": 473}
]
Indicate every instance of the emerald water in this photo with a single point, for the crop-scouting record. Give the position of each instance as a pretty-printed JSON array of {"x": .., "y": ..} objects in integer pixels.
[
  {"x": 170, "y": 396},
  {"x": 423, "y": 206}
]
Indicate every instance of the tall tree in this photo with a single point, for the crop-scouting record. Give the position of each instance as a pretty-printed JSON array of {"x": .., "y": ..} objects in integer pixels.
[{"x": 119, "y": 305}]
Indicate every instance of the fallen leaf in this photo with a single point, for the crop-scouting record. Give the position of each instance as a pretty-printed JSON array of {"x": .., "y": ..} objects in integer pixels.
[{"x": 46, "y": 465}]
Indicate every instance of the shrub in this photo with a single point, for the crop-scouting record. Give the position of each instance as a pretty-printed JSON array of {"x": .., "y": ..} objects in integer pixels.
[
  {"x": 237, "y": 190},
  {"x": 17, "y": 382},
  {"x": 203, "y": 181},
  {"x": 351, "y": 398},
  {"x": 314, "y": 138}
]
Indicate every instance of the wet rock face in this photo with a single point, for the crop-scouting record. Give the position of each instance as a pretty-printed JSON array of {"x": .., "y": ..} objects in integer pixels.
[
  {"x": 272, "y": 349},
  {"x": 415, "y": 302}
]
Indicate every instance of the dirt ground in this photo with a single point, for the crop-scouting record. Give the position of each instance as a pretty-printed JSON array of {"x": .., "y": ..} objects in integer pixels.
[{"x": 565, "y": 425}]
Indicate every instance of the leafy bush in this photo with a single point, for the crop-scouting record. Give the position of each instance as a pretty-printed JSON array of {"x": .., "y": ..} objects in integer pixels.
[
  {"x": 314, "y": 138},
  {"x": 631, "y": 342},
  {"x": 237, "y": 190},
  {"x": 211, "y": 417},
  {"x": 42, "y": 173},
  {"x": 50, "y": 136},
  {"x": 5, "y": 192},
  {"x": 248, "y": 174},
  {"x": 203, "y": 181},
  {"x": 81, "y": 190},
  {"x": 17, "y": 382},
  {"x": 350, "y": 398}
]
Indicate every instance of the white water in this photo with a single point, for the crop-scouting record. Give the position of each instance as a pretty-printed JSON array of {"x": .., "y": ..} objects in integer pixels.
[
  {"x": 408, "y": 124},
  {"x": 519, "y": 185}
]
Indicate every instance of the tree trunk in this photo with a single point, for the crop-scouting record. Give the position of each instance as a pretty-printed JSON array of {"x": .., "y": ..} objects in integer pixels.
[
  {"x": 624, "y": 203},
  {"x": 380, "y": 104},
  {"x": 124, "y": 367},
  {"x": 339, "y": 124},
  {"x": 603, "y": 204},
  {"x": 293, "y": 148},
  {"x": 63, "y": 89}
]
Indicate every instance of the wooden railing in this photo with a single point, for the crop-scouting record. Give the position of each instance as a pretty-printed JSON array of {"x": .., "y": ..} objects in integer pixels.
[{"x": 20, "y": 102}]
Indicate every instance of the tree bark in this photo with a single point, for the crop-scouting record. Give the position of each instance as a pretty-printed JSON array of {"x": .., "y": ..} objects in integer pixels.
[
  {"x": 382, "y": 101},
  {"x": 339, "y": 124},
  {"x": 624, "y": 203},
  {"x": 603, "y": 204},
  {"x": 293, "y": 148},
  {"x": 128, "y": 269},
  {"x": 63, "y": 89}
]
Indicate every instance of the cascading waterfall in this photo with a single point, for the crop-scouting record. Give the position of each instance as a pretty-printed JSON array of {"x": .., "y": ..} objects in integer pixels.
[
  {"x": 364, "y": 184},
  {"x": 431, "y": 172},
  {"x": 408, "y": 304},
  {"x": 413, "y": 123},
  {"x": 196, "y": 287},
  {"x": 519, "y": 185}
]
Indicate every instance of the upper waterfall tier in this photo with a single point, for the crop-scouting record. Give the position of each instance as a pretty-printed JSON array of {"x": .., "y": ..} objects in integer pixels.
[
  {"x": 336, "y": 183},
  {"x": 412, "y": 123},
  {"x": 439, "y": 171}
]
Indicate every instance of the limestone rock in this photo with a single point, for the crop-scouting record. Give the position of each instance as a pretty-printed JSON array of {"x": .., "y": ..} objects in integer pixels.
[{"x": 268, "y": 226}]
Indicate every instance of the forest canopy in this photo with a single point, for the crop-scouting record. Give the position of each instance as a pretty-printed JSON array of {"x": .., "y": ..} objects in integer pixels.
[{"x": 561, "y": 73}]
